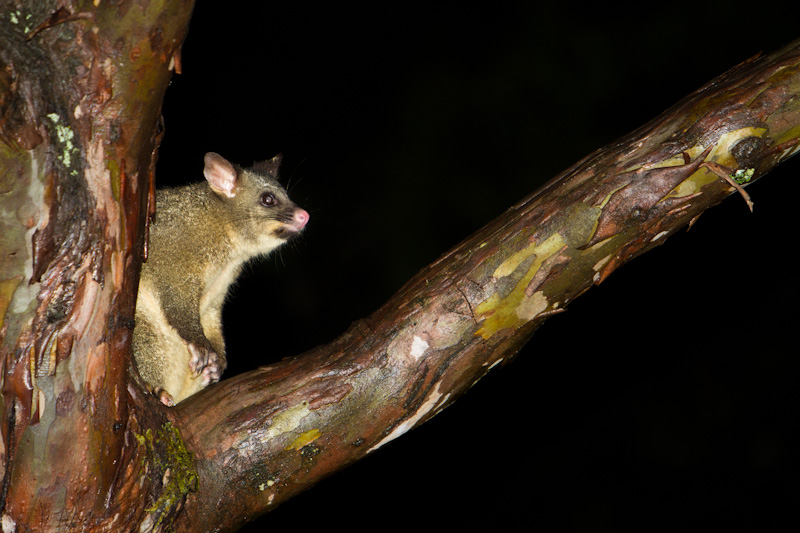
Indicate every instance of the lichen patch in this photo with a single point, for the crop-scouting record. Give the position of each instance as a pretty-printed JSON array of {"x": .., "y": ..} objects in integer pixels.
[
  {"x": 304, "y": 439},
  {"x": 508, "y": 266},
  {"x": 288, "y": 420},
  {"x": 509, "y": 312}
]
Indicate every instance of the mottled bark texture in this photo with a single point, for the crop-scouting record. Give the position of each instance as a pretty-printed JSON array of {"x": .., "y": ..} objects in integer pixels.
[
  {"x": 83, "y": 448},
  {"x": 262, "y": 437},
  {"x": 81, "y": 85}
]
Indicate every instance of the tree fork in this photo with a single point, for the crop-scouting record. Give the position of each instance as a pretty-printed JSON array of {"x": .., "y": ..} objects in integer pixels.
[{"x": 84, "y": 448}]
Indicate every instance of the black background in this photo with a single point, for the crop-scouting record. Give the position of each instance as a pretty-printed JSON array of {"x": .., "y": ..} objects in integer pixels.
[{"x": 663, "y": 398}]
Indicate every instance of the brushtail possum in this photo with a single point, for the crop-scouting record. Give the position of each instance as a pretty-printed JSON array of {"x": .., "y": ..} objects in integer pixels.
[{"x": 199, "y": 240}]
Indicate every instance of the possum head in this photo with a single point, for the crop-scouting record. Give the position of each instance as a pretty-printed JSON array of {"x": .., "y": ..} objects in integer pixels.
[{"x": 261, "y": 215}]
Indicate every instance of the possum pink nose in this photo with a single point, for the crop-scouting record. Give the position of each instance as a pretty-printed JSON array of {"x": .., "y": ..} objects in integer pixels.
[{"x": 301, "y": 217}]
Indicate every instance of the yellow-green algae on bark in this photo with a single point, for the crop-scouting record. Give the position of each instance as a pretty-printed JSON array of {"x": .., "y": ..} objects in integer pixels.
[{"x": 174, "y": 463}]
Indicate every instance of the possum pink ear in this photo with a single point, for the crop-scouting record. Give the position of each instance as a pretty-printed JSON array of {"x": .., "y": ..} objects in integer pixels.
[{"x": 221, "y": 175}]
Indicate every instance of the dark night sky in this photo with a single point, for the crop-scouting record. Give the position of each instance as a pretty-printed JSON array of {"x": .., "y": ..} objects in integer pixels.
[{"x": 663, "y": 397}]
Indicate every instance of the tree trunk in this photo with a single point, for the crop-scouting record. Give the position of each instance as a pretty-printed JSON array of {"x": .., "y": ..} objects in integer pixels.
[
  {"x": 81, "y": 90},
  {"x": 84, "y": 448}
]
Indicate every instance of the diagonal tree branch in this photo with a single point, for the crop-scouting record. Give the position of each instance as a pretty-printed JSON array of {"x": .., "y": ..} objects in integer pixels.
[{"x": 276, "y": 431}]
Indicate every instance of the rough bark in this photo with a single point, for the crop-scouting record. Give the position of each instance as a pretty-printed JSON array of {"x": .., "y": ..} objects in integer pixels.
[
  {"x": 294, "y": 423},
  {"x": 84, "y": 448},
  {"x": 81, "y": 86}
]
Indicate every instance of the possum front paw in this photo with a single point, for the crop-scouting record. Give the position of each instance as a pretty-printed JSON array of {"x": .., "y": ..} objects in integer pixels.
[{"x": 206, "y": 363}]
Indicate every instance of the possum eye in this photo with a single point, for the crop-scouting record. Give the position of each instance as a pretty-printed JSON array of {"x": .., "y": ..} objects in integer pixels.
[{"x": 268, "y": 200}]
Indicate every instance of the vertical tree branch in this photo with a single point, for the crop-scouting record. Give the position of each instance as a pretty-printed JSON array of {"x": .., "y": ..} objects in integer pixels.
[{"x": 82, "y": 86}]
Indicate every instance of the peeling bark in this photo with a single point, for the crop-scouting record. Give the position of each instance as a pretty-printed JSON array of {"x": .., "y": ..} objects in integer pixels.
[
  {"x": 290, "y": 425},
  {"x": 82, "y": 89},
  {"x": 84, "y": 448}
]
